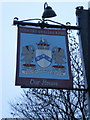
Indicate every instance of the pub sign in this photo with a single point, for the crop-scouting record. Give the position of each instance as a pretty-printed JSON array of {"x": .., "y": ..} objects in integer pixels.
[{"x": 43, "y": 59}]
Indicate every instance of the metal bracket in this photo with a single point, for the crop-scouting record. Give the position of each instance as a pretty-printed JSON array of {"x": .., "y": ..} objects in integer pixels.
[{"x": 43, "y": 24}]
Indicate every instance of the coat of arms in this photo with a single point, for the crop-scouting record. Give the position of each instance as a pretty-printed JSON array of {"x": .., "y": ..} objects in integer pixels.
[{"x": 43, "y": 56}]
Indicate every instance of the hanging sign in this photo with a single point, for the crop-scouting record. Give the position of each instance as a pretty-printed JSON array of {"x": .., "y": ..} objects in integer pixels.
[{"x": 43, "y": 59}]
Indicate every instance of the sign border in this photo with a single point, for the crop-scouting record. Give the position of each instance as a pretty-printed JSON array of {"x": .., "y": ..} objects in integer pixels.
[{"x": 42, "y": 82}]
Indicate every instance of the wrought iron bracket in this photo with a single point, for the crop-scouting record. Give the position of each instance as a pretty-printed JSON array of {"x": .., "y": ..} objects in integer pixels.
[{"x": 42, "y": 24}]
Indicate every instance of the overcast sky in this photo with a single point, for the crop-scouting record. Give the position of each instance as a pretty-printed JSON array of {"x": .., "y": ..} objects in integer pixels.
[{"x": 24, "y": 10}]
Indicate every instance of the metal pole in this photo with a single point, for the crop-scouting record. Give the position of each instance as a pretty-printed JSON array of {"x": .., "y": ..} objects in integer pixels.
[
  {"x": 84, "y": 23},
  {"x": 89, "y": 55}
]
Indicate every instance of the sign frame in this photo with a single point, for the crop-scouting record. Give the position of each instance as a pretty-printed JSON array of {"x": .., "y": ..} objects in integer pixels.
[{"x": 34, "y": 82}]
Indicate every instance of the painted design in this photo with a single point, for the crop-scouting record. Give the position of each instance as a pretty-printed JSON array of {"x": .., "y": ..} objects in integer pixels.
[
  {"x": 42, "y": 56},
  {"x": 29, "y": 54},
  {"x": 59, "y": 57}
]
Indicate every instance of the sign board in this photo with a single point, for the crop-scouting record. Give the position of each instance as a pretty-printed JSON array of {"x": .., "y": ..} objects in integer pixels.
[{"x": 43, "y": 59}]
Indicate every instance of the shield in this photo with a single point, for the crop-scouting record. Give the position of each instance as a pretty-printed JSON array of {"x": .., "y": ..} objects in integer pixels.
[{"x": 43, "y": 57}]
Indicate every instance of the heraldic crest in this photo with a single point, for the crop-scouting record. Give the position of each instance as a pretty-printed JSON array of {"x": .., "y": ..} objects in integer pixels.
[{"x": 43, "y": 56}]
